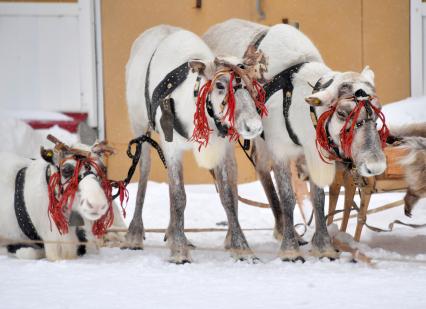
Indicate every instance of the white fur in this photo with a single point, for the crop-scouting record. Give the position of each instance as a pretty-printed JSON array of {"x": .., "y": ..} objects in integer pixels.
[
  {"x": 171, "y": 47},
  {"x": 283, "y": 47},
  {"x": 36, "y": 202}
]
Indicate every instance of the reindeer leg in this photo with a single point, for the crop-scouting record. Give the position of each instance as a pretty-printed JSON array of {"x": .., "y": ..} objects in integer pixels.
[
  {"x": 289, "y": 250},
  {"x": 175, "y": 236},
  {"x": 136, "y": 233},
  {"x": 263, "y": 171},
  {"x": 410, "y": 199},
  {"x": 321, "y": 241},
  {"x": 226, "y": 177}
]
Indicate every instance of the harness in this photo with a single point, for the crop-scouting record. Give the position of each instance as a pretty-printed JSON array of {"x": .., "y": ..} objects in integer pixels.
[
  {"x": 22, "y": 216},
  {"x": 24, "y": 221},
  {"x": 283, "y": 81},
  {"x": 161, "y": 98},
  {"x": 348, "y": 162}
]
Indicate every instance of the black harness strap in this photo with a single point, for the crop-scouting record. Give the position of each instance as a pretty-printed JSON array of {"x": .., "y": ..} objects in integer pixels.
[
  {"x": 160, "y": 98},
  {"x": 81, "y": 236},
  {"x": 22, "y": 215},
  {"x": 169, "y": 84},
  {"x": 283, "y": 81},
  {"x": 222, "y": 129}
]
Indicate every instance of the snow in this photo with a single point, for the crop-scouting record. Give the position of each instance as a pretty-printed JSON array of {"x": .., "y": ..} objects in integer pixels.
[
  {"x": 18, "y": 137},
  {"x": 35, "y": 115},
  {"x": 145, "y": 279},
  {"x": 409, "y": 110},
  {"x": 117, "y": 278}
]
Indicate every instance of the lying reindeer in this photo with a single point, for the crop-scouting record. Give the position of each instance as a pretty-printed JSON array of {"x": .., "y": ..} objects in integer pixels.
[
  {"x": 39, "y": 197},
  {"x": 340, "y": 125},
  {"x": 175, "y": 86}
]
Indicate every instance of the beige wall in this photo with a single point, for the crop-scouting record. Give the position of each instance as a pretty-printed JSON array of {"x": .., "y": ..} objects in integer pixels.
[{"x": 348, "y": 33}]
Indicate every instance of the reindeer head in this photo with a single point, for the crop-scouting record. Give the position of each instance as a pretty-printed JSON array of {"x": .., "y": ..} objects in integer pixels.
[
  {"x": 350, "y": 123},
  {"x": 80, "y": 183},
  {"x": 233, "y": 94}
]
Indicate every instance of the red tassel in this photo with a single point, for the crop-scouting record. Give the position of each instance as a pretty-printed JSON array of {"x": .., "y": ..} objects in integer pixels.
[
  {"x": 61, "y": 198},
  {"x": 322, "y": 140},
  {"x": 202, "y": 130},
  {"x": 260, "y": 100},
  {"x": 230, "y": 111},
  {"x": 347, "y": 131}
]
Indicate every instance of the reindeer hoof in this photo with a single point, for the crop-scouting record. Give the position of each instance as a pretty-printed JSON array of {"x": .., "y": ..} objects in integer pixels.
[
  {"x": 294, "y": 260},
  {"x": 180, "y": 261},
  {"x": 248, "y": 259},
  {"x": 330, "y": 253},
  {"x": 135, "y": 236},
  {"x": 302, "y": 242},
  {"x": 291, "y": 255},
  {"x": 132, "y": 248}
]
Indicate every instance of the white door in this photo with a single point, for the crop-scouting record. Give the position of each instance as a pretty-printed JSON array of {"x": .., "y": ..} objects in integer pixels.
[{"x": 48, "y": 57}]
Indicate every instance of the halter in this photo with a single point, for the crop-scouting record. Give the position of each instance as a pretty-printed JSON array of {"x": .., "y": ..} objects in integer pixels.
[
  {"x": 61, "y": 195},
  {"x": 346, "y": 135},
  {"x": 201, "y": 133}
]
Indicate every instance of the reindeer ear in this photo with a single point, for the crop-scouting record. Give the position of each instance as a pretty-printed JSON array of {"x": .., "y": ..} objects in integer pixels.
[
  {"x": 197, "y": 66},
  {"x": 320, "y": 98},
  {"x": 368, "y": 74},
  {"x": 47, "y": 155},
  {"x": 102, "y": 148}
]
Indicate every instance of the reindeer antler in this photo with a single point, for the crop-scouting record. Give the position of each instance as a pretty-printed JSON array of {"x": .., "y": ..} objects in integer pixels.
[
  {"x": 245, "y": 74},
  {"x": 61, "y": 147},
  {"x": 103, "y": 148}
]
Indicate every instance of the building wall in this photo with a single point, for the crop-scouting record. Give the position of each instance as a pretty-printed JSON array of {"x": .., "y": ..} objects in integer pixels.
[{"x": 349, "y": 34}]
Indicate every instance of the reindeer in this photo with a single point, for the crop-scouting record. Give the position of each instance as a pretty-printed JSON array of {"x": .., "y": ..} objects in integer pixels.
[
  {"x": 203, "y": 101},
  {"x": 340, "y": 124},
  {"x": 57, "y": 201}
]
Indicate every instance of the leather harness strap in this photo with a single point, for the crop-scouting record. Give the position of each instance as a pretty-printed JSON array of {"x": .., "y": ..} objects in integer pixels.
[
  {"x": 283, "y": 81},
  {"x": 22, "y": 216},
  {"x": 160, "y": 97}
]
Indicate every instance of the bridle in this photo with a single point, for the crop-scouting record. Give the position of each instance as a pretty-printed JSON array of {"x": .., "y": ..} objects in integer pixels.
[
  {"x": 325, "y": 142},
  {"x": 202, "y": 130},
  {"x": 62, "y": 194}
]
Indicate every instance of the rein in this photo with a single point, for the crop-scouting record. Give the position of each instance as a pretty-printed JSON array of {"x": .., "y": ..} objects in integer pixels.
[
  {"x": 62, "y": 195},
  {"x": 324, "y": 140}
]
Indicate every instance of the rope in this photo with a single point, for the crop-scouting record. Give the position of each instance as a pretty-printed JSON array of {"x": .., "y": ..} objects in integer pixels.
[{"x": 136, "y": 156}]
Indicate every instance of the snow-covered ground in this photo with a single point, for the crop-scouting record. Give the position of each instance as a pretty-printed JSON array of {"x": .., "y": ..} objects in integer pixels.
[{"x": 145, "y": 279}]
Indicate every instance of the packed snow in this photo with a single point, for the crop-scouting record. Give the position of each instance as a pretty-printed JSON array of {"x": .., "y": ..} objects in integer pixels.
[{"x": 117, "y": 278}]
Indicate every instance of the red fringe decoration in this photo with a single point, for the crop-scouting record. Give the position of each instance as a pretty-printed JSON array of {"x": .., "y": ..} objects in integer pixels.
[
  {"x": 62, "y": 196},
  {"x": 322, "y": 140},
  {"x": 202, "y": 129},
  {"x": 123, "y": 194},
  {"x": 347, "y": 131},
  {"x": 230, "y": 111},
  {"x": 260, "y": 100}
]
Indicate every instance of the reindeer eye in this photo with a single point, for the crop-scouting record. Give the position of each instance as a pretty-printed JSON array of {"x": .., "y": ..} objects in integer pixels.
[
  {"x": 220, "y": 86},
  {"x": 67, "y": 170},
  {"x": 341, "y": 115},
  {"x": 224, "y": 103}
]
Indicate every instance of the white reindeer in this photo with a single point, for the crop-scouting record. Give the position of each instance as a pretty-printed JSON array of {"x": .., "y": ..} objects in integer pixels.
[
  {"x": 166, "y": 57},
  {"x": 337, "y": 93},
  {"x": 25, "y": 208}
]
